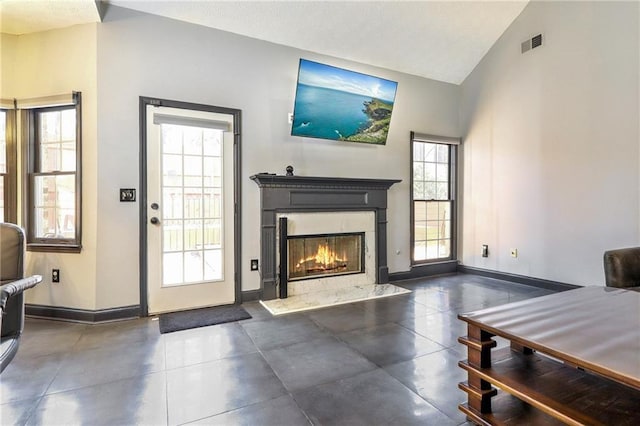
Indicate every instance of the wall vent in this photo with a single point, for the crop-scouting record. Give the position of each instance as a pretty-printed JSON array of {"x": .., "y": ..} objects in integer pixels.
[{"x": 534, "y": 42}]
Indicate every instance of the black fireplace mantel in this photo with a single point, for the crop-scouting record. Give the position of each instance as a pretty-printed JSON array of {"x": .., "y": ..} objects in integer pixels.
[
  {"x": 274, "y": 181},
  {"x": 282, "y": 194}
]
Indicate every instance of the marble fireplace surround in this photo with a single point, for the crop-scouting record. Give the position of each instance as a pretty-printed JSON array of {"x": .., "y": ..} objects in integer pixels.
[
  {"x": 328, "y": 223},
  {"x": 299, "y": 194}
]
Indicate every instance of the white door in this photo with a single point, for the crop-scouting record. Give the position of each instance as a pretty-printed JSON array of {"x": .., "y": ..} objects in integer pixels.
[{"x": 190, "y": 206}]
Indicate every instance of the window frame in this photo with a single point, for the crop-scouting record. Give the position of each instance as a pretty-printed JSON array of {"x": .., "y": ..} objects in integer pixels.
[
  {"x": 452, "y": 144},
  {"x": 32, "y": 170},
  {"x": 10, "y": 178}
]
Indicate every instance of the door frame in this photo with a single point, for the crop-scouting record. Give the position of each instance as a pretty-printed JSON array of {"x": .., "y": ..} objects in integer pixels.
[{"x": 142, "y": 203}]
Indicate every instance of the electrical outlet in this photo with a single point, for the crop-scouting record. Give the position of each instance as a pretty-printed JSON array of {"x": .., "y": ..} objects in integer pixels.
[
  {"x": 55, "y": 275},
  {"x": 254, "y": 264},
  {"x": 485, "y": 250},
  {"x": 514, "y": 252}
]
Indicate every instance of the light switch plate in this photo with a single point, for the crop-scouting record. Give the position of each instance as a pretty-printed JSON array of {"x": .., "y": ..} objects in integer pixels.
[{"x": 127, "y": 195}]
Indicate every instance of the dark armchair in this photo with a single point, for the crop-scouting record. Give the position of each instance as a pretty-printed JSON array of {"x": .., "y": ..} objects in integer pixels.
[
  {"x": 622, "y": 267},
  {"x": 12, "y": 285}
]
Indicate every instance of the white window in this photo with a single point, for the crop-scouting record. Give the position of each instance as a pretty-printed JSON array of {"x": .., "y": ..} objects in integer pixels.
[
  {"x": 8, "y": 206},
  {"x": 433, "y": 190},
  {"x": 53, "y": 163}
]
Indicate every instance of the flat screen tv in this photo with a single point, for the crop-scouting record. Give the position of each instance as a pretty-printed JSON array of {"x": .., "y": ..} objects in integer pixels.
[{"x": 338, "y": 104}]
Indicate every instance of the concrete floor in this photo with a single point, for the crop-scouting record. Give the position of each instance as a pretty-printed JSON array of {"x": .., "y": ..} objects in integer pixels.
[{"x": 379, "y": 362}]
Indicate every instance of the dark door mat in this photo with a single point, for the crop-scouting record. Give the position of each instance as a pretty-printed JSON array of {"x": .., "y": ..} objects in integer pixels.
[{"x": 176, "y": 321}]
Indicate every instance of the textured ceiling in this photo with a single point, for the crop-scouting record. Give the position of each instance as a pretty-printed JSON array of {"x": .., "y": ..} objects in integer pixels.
[
  {"x": 28, "y": 16},
  {"x": 442, "y": 40}
]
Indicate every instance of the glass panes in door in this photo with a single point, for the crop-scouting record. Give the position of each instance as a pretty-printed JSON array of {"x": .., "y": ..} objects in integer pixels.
[{"x": 192, "y": 210}]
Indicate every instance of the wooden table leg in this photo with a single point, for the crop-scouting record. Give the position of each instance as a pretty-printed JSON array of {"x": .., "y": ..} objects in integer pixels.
[
  {"x": 479, "y": 391},
  {"x": 517, "y": 347}
]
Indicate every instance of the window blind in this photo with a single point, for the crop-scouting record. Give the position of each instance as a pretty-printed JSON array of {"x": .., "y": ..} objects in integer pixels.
[
  {"x": 48, "y": 101},
  {"x": 422, "y": 137},
  {"x": 7, "y": 104},
  {"x": 191, "y": 121}
]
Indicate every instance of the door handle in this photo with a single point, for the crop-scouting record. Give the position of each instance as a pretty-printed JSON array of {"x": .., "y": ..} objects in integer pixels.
[{"x": 154, "y": 220}]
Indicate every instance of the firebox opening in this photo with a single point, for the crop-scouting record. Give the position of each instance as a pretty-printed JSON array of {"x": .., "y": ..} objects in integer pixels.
[{"x": 311, "y": 256}]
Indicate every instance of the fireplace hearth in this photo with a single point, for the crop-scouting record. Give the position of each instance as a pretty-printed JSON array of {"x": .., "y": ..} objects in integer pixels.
[{"x": 324, "y": 251}]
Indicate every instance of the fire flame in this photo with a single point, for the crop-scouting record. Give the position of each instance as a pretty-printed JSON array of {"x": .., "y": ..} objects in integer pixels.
[{"x": 324, "y": 256}]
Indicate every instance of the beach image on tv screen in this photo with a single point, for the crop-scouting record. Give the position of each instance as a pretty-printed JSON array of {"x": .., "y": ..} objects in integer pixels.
[{"x": 334, "y": 103}]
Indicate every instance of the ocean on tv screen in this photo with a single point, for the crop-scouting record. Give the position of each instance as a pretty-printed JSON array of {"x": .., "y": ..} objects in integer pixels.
[{"x": 326, "y": 113}]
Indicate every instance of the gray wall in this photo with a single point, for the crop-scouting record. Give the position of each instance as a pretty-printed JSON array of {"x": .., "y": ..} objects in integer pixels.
[
  {"x": 551, "y": 152},
  {"x": 140, "y": 54},
  {"x": 551, "y": 143}
]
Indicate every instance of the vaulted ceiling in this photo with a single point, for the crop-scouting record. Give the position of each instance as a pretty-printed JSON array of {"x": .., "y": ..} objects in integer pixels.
[{"x": 441, "y": 40}]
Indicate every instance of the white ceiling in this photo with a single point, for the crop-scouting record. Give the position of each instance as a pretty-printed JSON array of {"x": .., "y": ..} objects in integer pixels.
[
  {"x": 442, "y": 40},
  {"x": 30, "y": 16}
]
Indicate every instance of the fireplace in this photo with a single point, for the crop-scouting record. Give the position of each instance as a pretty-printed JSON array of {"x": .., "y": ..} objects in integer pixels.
[
  {"x": 312, "y": 256},
  {"x": 321, "y": 211},
  {"x": 324, "y": 251}
]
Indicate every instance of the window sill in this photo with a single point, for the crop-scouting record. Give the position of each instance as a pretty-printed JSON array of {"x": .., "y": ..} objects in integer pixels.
[
  {"x": 54, "y": 248},
  {"x": 418, "y": 263}
]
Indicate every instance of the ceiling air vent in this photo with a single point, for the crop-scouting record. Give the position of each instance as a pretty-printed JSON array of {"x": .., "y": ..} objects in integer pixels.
[{"x": 532, "y": 43}]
